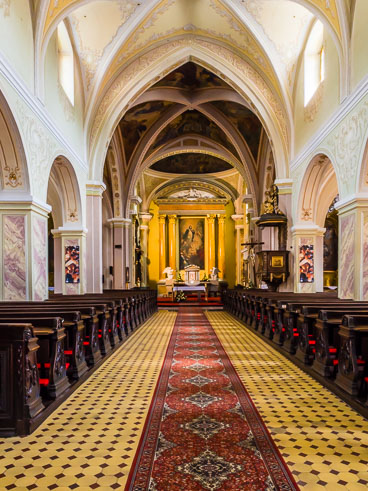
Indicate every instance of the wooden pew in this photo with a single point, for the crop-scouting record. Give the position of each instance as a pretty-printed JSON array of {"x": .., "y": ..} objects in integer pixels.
[
  {"x": 353, "y": 355},
  {"x": 106, "y": 312},
  {"x": 50, "y": 357},
  {"x": 74, "y": 327},
  {"x": 306, "y": 326},
  {"x": 327, "y": 340},
  {"x": 20, "y": 388},
  {"x": 91, "y": 318}
]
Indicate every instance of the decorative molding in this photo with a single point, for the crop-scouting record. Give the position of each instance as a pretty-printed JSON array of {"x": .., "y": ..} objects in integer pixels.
[
  {"x": 40, "y": 147},
  {"x": 324, "y": 131}
]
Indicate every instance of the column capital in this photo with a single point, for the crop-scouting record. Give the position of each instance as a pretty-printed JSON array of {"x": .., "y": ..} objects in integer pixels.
[
  {"x": 28, "y": 204},
  {"x": 351, "y": 203},
  {"x": 172, "y": 218},
  {"x": 307, "y": 230},
  {"x": 238, "y": 219},
  {"x": 211, "y": 218},
  {"x": 285, "y": 185},
  {"x": 95, "y": 188},
  {"x": 120, "y": 222},
  {"x": 162, "y": 218},
  {"x": 69, "y": 232},
  {"x": 221, "y": 218},
  {"x": 145, "y": 217},
  {"x": 135, "y": 199}
]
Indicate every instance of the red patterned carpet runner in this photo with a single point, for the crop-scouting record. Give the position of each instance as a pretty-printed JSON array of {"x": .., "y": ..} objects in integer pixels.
[{"x": 203, "y": 431}]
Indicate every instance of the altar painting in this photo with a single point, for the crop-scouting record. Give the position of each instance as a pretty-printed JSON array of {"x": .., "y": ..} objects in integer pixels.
[{"x": 191, "y": 242}]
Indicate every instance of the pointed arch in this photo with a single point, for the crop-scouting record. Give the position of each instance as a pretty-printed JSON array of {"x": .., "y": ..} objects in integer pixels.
[{"x": 154, "y": 65}]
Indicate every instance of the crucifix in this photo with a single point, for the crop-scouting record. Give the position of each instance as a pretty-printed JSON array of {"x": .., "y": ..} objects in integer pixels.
[{"x": 249, "y": 258}]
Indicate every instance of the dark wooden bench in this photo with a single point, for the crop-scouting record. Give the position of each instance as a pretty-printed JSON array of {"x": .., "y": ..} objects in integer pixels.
[
  {"x": 353, "y": 354},
  {"x": 75, "y": 334},
  {"x": 19, "y": 379},
  {"x": 306, "y": 326},
  {"x": 50, "y": 357}
]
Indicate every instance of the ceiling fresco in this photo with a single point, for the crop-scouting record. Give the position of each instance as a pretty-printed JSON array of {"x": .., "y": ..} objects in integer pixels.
[
  {"x": 138, "y": 120},
  {"x": 191, "y": 76},
  {"x": 191, "y": 163},
  {"x": 245, "y": 121},
  {"x": 193, "y": 123}
]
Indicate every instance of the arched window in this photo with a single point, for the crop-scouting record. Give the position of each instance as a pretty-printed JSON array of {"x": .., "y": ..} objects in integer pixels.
[
  {"x": 314, "y": 62},
  {"x": 65, "y": 61}
]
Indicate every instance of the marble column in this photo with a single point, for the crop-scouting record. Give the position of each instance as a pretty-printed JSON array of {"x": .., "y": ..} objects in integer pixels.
[
  {"x": 353, "y": 248},
  {"x": 239, "y": 228},
  {"x": 64, "y": 239},
  {"x": 172, "y": 241},
  {"x": 144, "y": 228},
  {"x": 119, "y": 225},
  {"x": 94, "y": 261},
  {"x": 211, "y": 251},
  {"x": 221, "y": 246},
  {"x": 23, "y": 250},
  {"x": 162, "y": 244},
  {"x": 308, "y": 258}
]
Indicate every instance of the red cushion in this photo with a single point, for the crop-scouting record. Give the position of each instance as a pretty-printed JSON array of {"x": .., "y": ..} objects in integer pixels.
[{"x": 44, "y": 381}]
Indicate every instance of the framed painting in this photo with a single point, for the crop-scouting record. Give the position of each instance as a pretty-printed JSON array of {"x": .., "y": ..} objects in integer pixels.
[
  {"x": 191, "y": 242},
  {"x": 306, "y": 262},
  {"x": 72, "y": 263}
]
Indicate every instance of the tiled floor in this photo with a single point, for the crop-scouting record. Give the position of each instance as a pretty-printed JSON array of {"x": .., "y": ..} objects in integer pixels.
[
  {"x": 90, "y": 441},
  {"x": 323, "y": 440}
]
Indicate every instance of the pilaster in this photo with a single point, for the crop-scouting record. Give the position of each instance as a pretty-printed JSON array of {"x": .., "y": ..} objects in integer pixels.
[
  {"x": 239, "y": 228},
  {"x": 94, "y": 262},
  {"x": 24, "y": 250}
]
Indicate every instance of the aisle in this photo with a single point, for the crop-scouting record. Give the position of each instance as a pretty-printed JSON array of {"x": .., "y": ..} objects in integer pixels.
[
  {"x": 323, "y": 441},
  {"x": 90, "y": 441},
  {"x": 203, "y": 431}
]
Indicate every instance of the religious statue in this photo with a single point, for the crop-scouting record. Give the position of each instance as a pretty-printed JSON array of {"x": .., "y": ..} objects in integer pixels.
[
  {"x": 169, "y": 272},
  {"x": 214, "y": 273},
  {"x": 138, "y": 265},
  {"x": 271, "y": 204}
]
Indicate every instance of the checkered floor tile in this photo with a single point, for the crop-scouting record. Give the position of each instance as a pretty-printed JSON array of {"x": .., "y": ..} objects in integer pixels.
[
  {"x": 323, "y": 441},
  {"x": 90, "y": 441}
]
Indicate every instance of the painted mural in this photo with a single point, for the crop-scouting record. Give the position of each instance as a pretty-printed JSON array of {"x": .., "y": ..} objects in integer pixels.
[
  {"x": 191, "y": 163},
  {"x": 193, "y": 123},
  {"x": 72, "y": 264},
  {"x": 191, "y": 76},
  {"x": 245, "y": 121},
  {"x": 138, "y": 120},
  {"x": 191, "y": 246},
  {"x": 306, "y": 262}
]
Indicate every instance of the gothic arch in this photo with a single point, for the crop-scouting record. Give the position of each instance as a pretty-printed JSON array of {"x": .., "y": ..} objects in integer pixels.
[
  {"x": 147, "y": 69},
  {"x": 63, "y": 194},
  {"x": 318, "y": 189}
]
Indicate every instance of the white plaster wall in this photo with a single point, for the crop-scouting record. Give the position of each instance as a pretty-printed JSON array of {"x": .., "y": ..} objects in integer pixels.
[
  {"x": 359, "y": 43},
  {"x": 16, "y": 38},
  {"x": 68, "y": 118},
  {"x": 328, "y": 103}
]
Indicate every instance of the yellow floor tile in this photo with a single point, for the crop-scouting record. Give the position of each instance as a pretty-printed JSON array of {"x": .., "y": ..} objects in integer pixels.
[{"x": 308, "y": 423}]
